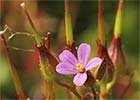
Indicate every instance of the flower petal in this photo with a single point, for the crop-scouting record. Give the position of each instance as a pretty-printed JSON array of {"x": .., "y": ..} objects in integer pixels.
[
  {"x": 68, "y": 57},
  {"x": 83, "y": 53},
  {"x": 80, "y": 79},
  {"x": 66, "y": 68},
  {"x": 93, "y": 63}
]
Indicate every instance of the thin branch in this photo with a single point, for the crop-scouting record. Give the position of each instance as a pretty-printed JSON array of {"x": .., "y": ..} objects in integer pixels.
[
  {"x": 21, "y": 49},
  {"x": 12, "y": 35},
  {"x": 5, "y": 29},
  {"x": 19, "y": 33},
  {"x": 95, "y": 94},
  {"x": 37, "y": 36}
]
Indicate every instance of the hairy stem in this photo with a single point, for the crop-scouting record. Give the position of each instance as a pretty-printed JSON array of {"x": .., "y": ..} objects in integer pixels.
[
  {"x": 49, "y": 83},
  {"x": 49, "y": 90}
]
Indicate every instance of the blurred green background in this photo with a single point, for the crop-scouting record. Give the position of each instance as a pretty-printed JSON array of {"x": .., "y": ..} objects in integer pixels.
[{"x": 48, "y": 16}]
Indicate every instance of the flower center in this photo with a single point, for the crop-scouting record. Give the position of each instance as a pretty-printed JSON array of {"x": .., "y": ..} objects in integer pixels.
[{"x": 80, "y": 68}]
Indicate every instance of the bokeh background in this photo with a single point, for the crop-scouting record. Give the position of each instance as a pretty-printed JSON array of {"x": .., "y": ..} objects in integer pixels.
[{"x": 48, "y": 16}]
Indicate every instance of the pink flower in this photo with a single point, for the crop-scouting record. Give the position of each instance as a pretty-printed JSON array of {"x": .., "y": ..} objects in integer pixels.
[{"x": 71, "y": 65}]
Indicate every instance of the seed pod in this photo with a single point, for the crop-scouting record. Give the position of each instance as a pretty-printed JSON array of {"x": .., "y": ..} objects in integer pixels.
[
  {"x": 47, "y": 55},
  {"x": 116, "y": 53},
  {"x": 90, "y": 81},
  {"x": 100, "y": 71},
  {"x": 48, "y": 63},
  {"x": 107, "y": 68},
  {"x": 115, "y": 50}
]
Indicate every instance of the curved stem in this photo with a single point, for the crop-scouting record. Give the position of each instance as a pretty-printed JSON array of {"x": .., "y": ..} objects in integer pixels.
[
  {"x": 110, "y": 84},
  {"x": 103, "y": 92},
  {"x": 94, "y": 93}
]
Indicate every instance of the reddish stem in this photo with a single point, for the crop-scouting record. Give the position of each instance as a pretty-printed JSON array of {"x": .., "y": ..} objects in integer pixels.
[
  {"x": 103, "y": 96},
  {"x": 20, "y": 94},
  {"x": 49, "y": 42},
  {"x": 7, "y": 51}
]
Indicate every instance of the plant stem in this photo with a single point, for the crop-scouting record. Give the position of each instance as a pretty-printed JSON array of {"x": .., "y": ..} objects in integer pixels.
[
  {"x": 48, "y": 40},
  {"x": 49, "y": 92},
  {"x": 103, "y": 92},
  {"x": 68, "y": 25},
  {"x": 37, "y": 37},
  {"x": 49, "y": 83},
  {"x": 16, "y": 80},
  {"x": 101, "y": 29},
  {"x": 110, "y": 84},
  {"x": 48, "y": 76},
  {"x": 68, "y": 30},
  {"x": 117, "y": 29},
  {"x": 94, "y": 93}
]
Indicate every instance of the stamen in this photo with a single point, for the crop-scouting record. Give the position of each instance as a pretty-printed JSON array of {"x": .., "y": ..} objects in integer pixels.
[{"x": 80, "y": 68}]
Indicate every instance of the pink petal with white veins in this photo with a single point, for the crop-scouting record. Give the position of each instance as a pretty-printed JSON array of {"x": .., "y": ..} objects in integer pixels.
[
  {"x": 66, "y": 68},
  {"x": 93, "y": 63},
  {"x": 83, "y": 53},
  {"x": 80, "y": 79},
  {"x": 68, "y": 57}
]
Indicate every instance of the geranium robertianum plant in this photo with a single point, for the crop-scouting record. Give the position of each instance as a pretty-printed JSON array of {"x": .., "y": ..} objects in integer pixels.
[{"x": 77, "y": 64}]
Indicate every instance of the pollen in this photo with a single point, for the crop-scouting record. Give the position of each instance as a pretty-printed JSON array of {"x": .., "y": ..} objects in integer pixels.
[{"x": 80, "y": 68}]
